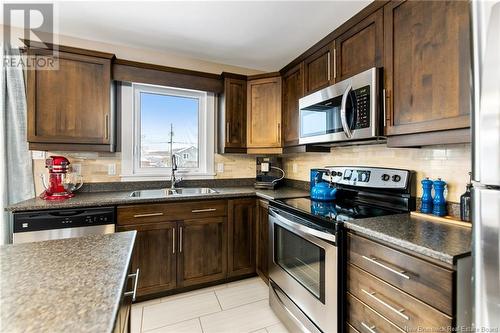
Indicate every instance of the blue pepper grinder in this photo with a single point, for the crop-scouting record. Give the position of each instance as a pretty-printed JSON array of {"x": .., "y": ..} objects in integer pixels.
[
  {"x": 439, "y": 202},
  {"x": 426, "y": 206}
]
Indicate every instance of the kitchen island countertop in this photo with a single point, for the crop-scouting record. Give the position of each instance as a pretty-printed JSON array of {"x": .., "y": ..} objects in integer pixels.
[{"x": 67, "y": 285}]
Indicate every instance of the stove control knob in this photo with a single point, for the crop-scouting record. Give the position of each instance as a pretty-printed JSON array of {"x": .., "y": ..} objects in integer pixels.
[
  {"x": 333, "y": 173},
  {"x": 396, "y": 178},
  {"x": 385, "y": 177}
]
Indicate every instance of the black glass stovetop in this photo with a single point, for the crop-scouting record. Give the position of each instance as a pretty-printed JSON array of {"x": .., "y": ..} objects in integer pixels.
[{"x": 337, "y": 210}]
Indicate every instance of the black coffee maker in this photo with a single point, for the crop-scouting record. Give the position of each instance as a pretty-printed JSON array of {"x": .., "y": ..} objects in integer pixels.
[{"x": 270, "y": 173}]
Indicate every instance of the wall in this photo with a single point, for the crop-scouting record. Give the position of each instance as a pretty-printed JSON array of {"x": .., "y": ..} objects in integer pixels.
[
  {"x": 94, "y": 166},
  {"x": 451, "y": 163}
]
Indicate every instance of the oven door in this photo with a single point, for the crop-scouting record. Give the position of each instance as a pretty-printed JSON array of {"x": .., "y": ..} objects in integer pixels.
[
  {"x": 304, "y": 265},
  {"x": 344, "y": 111}
]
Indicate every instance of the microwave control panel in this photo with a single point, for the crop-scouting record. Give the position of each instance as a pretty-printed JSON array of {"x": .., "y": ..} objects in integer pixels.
[{"x": 363, "y": 107}]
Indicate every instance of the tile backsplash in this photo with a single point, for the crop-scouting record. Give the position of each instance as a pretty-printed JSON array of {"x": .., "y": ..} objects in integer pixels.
[{"x": 449, "y": 162}]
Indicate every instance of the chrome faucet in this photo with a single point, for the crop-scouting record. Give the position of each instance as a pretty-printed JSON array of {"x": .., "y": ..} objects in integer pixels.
[{"x": 173, "y": 162}]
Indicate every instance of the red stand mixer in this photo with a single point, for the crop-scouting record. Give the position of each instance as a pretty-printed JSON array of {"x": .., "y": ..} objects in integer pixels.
[{"x": 61, "y": 183}]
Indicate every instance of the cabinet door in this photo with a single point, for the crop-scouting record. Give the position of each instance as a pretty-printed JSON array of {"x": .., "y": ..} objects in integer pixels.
[
  {"x": 71, "y": 105},
  {"x": 360, "y": 48},
  {"x": 235, "y": 103},
  {"x": 293, "y": 90},
  {"x": 241, "y": 237},
  {"x": 318, "y": 69},
  {"x": 262, "y": 239},
  {"x": 427, "y": 58},
  {"x": 155, "y": 256},
  {"x": 202, "y": 251},
  {"x": 264, "y": 113}
]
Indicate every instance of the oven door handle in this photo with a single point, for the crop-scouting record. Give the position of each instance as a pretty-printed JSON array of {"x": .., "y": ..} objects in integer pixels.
[
  {"x": 343, "y": 112},
  {"x": 300, "y": 228}
]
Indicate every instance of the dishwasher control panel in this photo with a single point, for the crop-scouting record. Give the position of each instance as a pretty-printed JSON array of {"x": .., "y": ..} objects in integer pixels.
[{"x": 63, "y": 218}]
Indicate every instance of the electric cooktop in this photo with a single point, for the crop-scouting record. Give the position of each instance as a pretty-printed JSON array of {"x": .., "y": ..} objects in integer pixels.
[{"x": 335, "y": 211}]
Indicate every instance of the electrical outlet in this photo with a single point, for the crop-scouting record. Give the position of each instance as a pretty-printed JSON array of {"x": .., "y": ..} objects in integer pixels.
[
  {"x": 76, "y": 168},
  {"x": 111, "y": 169},
  {"x": 295, "y": 168},
  {"x": 38, "y": 155},
  {"x": 220, "y": 167}
]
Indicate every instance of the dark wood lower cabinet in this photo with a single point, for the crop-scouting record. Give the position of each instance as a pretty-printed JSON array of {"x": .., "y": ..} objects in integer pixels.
[
  {"x": 154, "y": 255},
  {"x": 202, "y": 251},
  {"x": 241, "y": 237},
  {"x": 262, "y": 239}
]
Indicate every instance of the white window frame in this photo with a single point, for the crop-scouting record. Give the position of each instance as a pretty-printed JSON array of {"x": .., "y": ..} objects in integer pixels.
[{"x": 129, "y": 99}]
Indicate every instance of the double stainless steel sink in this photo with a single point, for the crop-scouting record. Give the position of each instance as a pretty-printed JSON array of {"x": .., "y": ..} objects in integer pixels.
[{"x": 161, "y": 193}]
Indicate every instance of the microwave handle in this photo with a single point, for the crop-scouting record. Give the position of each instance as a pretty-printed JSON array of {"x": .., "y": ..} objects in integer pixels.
[{"x": 343, "y": 116}]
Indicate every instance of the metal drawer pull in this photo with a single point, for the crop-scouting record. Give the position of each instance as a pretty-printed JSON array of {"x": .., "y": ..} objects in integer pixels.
[
  {"x": 180, "y": 239},
  {"x": 393, "y": 309},
  {"x": 148, "y": 215},
  {"x": 134, "y": 292},
  {"x": 375, "y": 261},
  {"x": 173, "y": 241},
  {"x": 204, "y": 210},
  {"x": 370, "y": 329}
]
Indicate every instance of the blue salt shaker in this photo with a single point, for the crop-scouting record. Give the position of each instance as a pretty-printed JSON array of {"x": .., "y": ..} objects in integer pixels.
[
  {"x": 439, "y": 202},
  {"x": 426, "y": 206}
]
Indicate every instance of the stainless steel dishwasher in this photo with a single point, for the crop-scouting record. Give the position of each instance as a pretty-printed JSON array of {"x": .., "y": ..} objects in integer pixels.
[{"x": 44, "y": 225}]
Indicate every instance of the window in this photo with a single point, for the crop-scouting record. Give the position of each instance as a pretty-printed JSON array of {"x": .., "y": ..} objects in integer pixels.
[{"x": 148, "y": 115}]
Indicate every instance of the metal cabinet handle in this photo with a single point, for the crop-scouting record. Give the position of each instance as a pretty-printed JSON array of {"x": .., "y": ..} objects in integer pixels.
[
  {"x": 328, "y": 66},
  {"x": 134, "y": 292},
  {"x": 279, "y": 133},
  {"x": 180, "y": 239},
  {"x": 335, "y": 63},
  {"x": 343, "y": 116},
  {"x": 106, "y": 126},
  {"x": 370, "y": 329},
  {"x": 390, "y": 307},
  {"x": 173, "y": 241},
  {"x": 204, "y": 210},
  {"x": 376, "y": 262},
  {"x": 228, "y": 135},
  {"x": 383, "y": 106},
  {"x": 148, "y": 215}
]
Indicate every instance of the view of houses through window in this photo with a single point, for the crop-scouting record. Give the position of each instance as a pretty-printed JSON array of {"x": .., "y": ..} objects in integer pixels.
[{"x": 157, "y": 112}]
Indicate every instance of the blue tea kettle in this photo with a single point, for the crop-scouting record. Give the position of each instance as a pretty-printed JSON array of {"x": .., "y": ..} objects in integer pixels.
[{"x": 321, "y": 190}]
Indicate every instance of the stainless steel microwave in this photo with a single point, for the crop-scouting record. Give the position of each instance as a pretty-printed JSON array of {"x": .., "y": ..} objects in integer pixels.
[{"x": 345, "y": 111}]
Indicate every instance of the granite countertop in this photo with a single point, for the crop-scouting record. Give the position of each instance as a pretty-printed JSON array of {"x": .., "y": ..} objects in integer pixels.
[
  {"x": 96, "y": 199},
  {"x": 442, "y": 241},
  {"x": 67, "y": 285}
]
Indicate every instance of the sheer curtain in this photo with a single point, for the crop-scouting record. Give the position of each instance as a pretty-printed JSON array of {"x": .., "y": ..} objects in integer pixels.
[{"x": 16, "y": 171}]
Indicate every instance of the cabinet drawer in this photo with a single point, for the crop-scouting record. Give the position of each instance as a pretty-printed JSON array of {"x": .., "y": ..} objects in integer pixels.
[
  {"x": 150, "y": 213},
  {"x": 427, "y": 282},
  {"x": 397, "y": 306},
  {"x": 366, "y": 320}
]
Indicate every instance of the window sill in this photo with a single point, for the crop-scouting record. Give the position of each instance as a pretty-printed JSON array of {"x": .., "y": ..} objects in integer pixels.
[{"x": 126, "y": 178}]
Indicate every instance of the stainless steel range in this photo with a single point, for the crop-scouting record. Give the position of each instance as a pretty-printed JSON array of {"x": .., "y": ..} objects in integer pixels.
[{"x": 307, "y": 244}]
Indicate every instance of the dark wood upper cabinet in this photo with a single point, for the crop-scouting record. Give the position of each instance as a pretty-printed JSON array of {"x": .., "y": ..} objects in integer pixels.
[
  {"x": 154, "y": 255},
  {"x": 241, "y": 236},
  {"x": 427, "y": 70},
  {"x": 318, "y": 69},
  {"x": 262, "y": 239},
  {"x": 360, "y": 47},
  {"x": 264, "y": 112},
  {"x": 232, "y": 130},
  {"x": 202, "y": 251},
  {"x": 71, "y": 108},
  {"x": 292, "y": 90}
]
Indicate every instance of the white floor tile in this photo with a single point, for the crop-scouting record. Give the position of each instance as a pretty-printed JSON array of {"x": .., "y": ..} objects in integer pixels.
[
  {"x": 188, "y": 326},
  {"x": 260, "y": 331},
  {"x": 135, "y": 319},
  {"x": 177, "y": 310},
  {"x": 278, "y": 328},
  {"x": 237, "y": 294},
  {"x": 194, "y": 292},
  {"x": 242, "y": 319}
]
